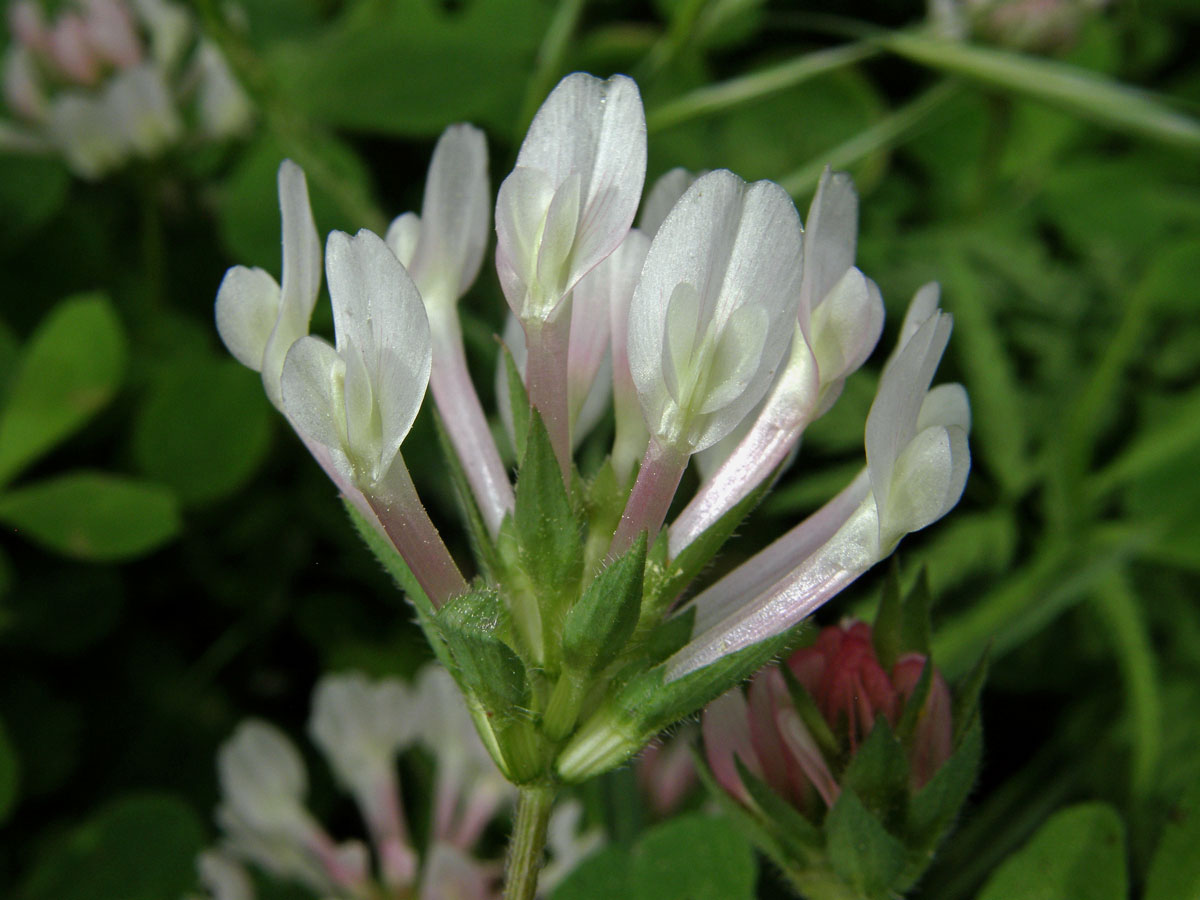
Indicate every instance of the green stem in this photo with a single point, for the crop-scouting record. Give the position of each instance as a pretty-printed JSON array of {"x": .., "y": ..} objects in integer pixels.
[
  {"x": 527, "y": 842},
  {"x": 884, "y": 134},
  {"x": 718, "y": 97}
]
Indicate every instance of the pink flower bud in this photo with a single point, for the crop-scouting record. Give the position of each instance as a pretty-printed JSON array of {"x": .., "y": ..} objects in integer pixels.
[
  {"x": 850, "y": 686},
  {"x": 765, "y": 730},
  {"x": 933, "y": 741}
]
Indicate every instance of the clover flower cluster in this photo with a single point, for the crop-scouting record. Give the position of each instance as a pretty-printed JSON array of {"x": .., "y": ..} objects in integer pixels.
[
  {"x": 105, "y": 81},
  {"x": 717, "y": 329},
  {"x": 362, "y": 727}
]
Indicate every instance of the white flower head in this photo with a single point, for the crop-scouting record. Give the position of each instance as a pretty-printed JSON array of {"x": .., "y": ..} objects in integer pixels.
[
  {"x": 257, "y": 318},
  {"x": 712, "y": 314},
  {"x": 263, "y": 780},
  {"x": 360, "y": 397},
  {"x": 574, "y": 192},
  {"x": 361, "y": 725},
  {"x": 442, "y": 249}
]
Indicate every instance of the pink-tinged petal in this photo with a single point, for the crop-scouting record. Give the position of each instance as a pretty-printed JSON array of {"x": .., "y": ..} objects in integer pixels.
[
  {"x": 763, "y": 697},
  {"x": 852, "y": 550},
  {"x": 246, "y": 310},
  {"x": 454, "y": 217},
  {"x": 725, "y": 725},
  {"x": 773, "y": 563},
  {"x": 803, "y": 749}
]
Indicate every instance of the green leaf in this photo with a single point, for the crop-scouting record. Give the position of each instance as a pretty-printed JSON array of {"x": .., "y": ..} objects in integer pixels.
[
  {"x": 93, "y": 515},
  {"x": 1079, "y": 91},
  {"x": 551, "y": 547},
  {"x": 72, "y": 367},
  {"x": 937, "y": 804},
  {"x": 602, "y": 621},
  {"x": 810, "y": 715},
  {"x": 862, "y": 852},
  {"x": 791, "y": 830},
  {"x": 382, "y": 66},
  {"x": 140, "y": 847},
  {"x": 32, "y": 190},
  {"x": 915, "y": 628},
  {"x": 9, "y": 771},
  {"x": 1078, "y": 853},
  {"x": 693, "y": 857},
  {"x": 248, "y": 215},
  {"x": 878, "y": 775},
  {"x": 472, "y": 625},
  {"x": 204, "y": 429},
  {"x": 1175, "y": 868},
  {"x": 885, "y": 634},
  {"x": 1000, "y": 411},
  {"x": 602, "y": 876},
  {"x": 913, "y": 706},
  {"x": 966, "y": 697}
]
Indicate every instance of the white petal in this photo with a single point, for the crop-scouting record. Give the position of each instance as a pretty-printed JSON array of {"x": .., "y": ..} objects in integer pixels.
[
  {"x": 262, "y": 774},
  {"x": 455, "y": 214},
  {"x": 521, "y": 207},
  {"x": 946, "y": 404},
  {"x": 892, "y": 420},
  {"x": 830, "y": 238},
  {"x": 311, "y": 386},
  {"x": 224, "y": 877},
  {"x": 927, "y": 481},
  {"x": 450, "y": 874},
  {"x": 558, "y": 237},
  {"x": 138, "y": 101},
  {"x": 378, "y": 314},
  {"x": 845, "y": 326},
  {"x": 361, "y": 725},
  {"x": 662, "y": 197},
  {"x": 301, "y": 274},
  {"x": 921, "y": 308},
  {"x": 402, "y": 236},
  {"x": 736, "y": 245},
  {"x": 247, "y": 306}
]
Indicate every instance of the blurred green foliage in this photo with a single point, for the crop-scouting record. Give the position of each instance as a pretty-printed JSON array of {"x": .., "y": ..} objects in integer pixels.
[{"x": 172, "y": 561}]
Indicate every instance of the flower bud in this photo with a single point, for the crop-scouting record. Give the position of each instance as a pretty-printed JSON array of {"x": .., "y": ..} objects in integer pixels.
[{"x": 830, "y": 733}]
